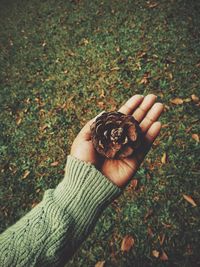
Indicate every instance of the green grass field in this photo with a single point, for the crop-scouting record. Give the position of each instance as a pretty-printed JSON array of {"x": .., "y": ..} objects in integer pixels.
[{"x": 61, "y": 63}]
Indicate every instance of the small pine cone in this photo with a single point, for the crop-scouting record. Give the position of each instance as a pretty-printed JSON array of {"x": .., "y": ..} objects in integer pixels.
[{"x": 116, "y": 135}]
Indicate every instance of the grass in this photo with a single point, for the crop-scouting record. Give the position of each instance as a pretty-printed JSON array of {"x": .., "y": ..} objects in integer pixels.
[{"x": 61, "y": 63}]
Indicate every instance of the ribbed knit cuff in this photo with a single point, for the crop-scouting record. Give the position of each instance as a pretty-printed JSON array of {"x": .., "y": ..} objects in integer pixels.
[{"x": 84, "y": 193}]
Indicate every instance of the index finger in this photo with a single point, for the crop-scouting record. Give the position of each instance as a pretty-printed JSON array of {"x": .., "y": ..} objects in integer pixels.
[{"x": 131, "y": 104}]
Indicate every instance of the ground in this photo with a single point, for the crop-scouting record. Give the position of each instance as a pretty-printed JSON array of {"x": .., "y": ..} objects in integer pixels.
[{"x": 63, "y": 62}]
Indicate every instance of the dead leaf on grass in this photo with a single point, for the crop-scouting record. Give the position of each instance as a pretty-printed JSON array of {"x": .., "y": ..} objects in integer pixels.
[
  {"x": 195, "y": 98},
  {"x": 190, "y": 200},
  {"x": 164, "y": 158},
  {"x": 177, "y": 101},
  {"x": 145, "y": 78},
  {"x": 127, "y": 243},
  {"x": 163, "y": 256},
  {"x": 18, "y": 121},
  {"x": 100, "y": 264},
  {"x": 55, "y": 163},
  {"x": 152, "y": 4},
  {"x": 26, "y": 174},
  {"x": 114, "y": 68},
  {"x": 155, "y": 253},
  {"x": 149, "y": 231},
  {"x": 195, "y": 137},
  {"x": 161, "y": 238},
  {"x": 133, "y": 183},
  {"x": 102, "y": 93},
  {"x": 148, "y": 214}
]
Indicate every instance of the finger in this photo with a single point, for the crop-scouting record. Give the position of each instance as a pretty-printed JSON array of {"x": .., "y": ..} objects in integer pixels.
[
  {"x": 146, "y": 104},
  {"x": 85, "y": 132},
  {"x": 150, "y": 137},
  {"x": 153, "y": 132},
  {"x": 131, "y": 104},
  {"x": 152, "y": 116}
]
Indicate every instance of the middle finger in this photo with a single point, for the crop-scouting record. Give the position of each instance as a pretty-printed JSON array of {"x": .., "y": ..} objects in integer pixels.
[{"x": 146, "y": 104}]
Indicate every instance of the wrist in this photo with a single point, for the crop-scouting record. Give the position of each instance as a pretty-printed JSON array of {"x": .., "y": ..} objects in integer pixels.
[{"x": 84, "y": 193}]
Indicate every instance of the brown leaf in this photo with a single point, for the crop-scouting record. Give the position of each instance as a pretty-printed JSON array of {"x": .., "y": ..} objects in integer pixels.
[
  {"x": 27, "y": 172},
  {"x": 161, "y": 238},
  {"x": 190, "y": 200},
  {"x": 149, "y": 231},
  {"x": 195, "y": 137},
  {"x": 141, "y": 54},
  {"x": 133, "y": 183},
  {"x": 152, "y": 5},
  {"x": 55, "y": 163},
  {"x": 148, "y": 214},
  {"x": 195, "y": 98},
  {"x": 164, "y": 158},
  {"x": 102, "y": 93},
  {"x": 177, "y": 101},
  {"x": 171, "y": 76},
  {"x": 163, "y": 256},
  {"x": 18, "y": 121},
  {"x": 144, "y": 80},
  {"x": 85, "y": 41},
  {"x": 43, "y": 127},
  {"x": 100, "y": 264},
  {"x": 155, "y": 253},
  {"x": 127, "y": 243},
  {"x": 115, "y": 68},
  {"x": 100, "y": 104}
]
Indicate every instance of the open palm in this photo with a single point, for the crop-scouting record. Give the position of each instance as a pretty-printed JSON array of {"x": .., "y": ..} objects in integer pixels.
[{"x": 120, "y": 171}]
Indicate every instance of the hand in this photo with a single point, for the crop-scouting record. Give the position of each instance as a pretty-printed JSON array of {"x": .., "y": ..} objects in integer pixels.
[{"x": 120, "y": 171}]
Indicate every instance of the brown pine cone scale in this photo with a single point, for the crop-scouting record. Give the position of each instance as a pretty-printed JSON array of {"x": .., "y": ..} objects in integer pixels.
[{"x": 116, "y": 135}]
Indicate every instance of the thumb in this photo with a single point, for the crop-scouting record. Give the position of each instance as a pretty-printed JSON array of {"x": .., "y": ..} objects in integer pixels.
[{"x": 85, "y": 132}]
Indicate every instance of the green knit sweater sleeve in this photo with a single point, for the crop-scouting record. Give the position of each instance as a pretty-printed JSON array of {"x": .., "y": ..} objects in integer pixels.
[{"x": 50, "y": 233}]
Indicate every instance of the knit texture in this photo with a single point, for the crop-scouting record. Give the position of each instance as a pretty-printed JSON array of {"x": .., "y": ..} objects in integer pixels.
[{"x": 50, "y": 233}]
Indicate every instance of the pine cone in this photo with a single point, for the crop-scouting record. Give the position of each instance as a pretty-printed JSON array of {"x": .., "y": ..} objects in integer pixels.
[{"x": 116, "y": 135}]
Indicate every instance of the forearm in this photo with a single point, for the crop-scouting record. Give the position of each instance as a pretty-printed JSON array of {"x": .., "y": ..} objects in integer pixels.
[{"x": 50, "y": 233}]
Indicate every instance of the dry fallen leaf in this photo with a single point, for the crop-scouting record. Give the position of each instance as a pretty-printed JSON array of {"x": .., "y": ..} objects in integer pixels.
[
  {"x": 100, "y": 104},
  {"x": 127, "y": 243},
  {"x": 114, "y": 68},
  {"x": 190, "y": 200},
  {"x": 161, "y": 238},
  {"x": 43, "y": 127},
  {"x": 25, "y": 174},
  {"x": 18, "y": 121},
  {"x": 148, "y": 214},
  {"x": 195, "y": 137},
  {"x": 55, "y": 163},
  {"x": 164, "y": 158},
  {"x": 149, "y": 231},
  {"x": 145, "y": 79},
  {"x": 100, "y": 264},
  {"x": 171, "y": 76},
  {"x": 195, "y": 98},
  {"x": 141, "y": 54},
  {"x": 163, "y": 256},
  {"x": 133, "y": 183},
  {"x": 155, "y": 253},
  {"x": 177, "y": 101},
  {"x": 102, "y": 93},
  {"x": 152, "y": 5}
]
